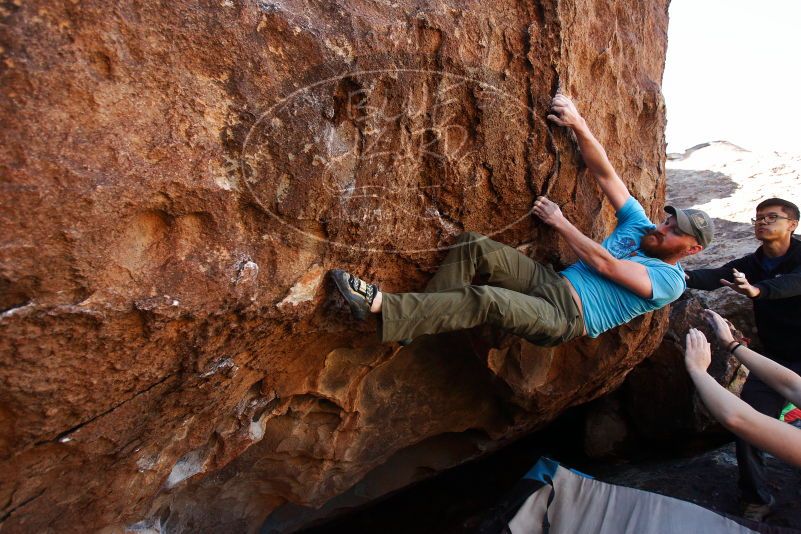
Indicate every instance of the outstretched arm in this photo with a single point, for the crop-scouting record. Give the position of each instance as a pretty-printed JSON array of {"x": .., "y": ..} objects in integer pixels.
[
  {"x": 768, "y": 434},
  {"x": 710, "y": 279},
  {"x": 782, "y": 287},
  {"x": 782, "y": 380},
  {"x": 741, "y": 285},
  {"x": 564, "y": 113},
  {"x": 633, "y": 276}
]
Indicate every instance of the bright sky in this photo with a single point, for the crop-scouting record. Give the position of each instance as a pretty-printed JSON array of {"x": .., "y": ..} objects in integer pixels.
[{"x": 733, "y": 73}]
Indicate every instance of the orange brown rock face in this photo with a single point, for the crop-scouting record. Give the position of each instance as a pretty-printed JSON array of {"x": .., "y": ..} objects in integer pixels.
[{"x": 177, "y": 180}]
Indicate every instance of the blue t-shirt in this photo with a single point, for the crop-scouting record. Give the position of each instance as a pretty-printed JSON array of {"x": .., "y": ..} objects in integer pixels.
[{"x": 607, "y": 304}]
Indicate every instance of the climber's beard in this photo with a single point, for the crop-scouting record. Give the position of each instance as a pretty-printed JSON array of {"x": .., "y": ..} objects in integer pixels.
[{"x": 653, "y": 244}]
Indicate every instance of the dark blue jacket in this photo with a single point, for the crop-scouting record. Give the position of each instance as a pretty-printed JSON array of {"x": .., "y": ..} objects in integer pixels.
[{"x": 777, "y": 309}]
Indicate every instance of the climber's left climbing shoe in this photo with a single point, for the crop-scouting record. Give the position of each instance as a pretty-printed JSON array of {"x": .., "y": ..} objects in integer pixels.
[{"x": 358, "y": 293}]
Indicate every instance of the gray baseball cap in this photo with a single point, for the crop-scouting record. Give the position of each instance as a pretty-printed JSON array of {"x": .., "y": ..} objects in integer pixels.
[{"x": 694, "y": 222}]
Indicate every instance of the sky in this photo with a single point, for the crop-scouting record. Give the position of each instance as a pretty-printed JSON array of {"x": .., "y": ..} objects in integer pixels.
[{"x": 733, "y": 73}]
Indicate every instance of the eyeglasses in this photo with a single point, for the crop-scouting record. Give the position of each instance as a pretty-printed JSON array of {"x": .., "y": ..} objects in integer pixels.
[{"x": 770, "y": 219}]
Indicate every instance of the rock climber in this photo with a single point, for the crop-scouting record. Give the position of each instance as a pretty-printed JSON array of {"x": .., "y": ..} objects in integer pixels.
[{"x": 634, "y": 271}]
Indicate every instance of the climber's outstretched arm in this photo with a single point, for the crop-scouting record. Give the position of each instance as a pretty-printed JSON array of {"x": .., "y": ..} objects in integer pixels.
[
  {"x": 564, "y": 113},
  {"x": 629, "y": 274}
]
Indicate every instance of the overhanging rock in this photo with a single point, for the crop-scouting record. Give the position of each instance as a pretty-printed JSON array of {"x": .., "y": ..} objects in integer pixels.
[{"x": 179, "y": 177}]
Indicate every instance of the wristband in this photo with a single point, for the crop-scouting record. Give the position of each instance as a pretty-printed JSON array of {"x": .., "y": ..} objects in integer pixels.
[
  {"x": 729, "y": 346},
  {"x": 738, "y": 345}
]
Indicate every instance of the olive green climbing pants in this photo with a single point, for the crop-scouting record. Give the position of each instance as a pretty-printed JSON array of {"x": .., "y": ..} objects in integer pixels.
[{"x": 521, "y": 296}]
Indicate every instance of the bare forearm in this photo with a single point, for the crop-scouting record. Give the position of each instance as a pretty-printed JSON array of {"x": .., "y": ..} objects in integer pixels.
[
  {"x": 593, "y": 152},
  {"x": 722, "y": 404},
  {"x": 628, "y": 274},
  {"x": 784, "y": 381},
  {"x": 585, "y": 248},
  {"x": 768, "y": 434}
]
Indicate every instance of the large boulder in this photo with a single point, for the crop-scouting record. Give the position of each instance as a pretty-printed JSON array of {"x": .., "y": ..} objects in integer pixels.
[{"x": 178, "y": 178}]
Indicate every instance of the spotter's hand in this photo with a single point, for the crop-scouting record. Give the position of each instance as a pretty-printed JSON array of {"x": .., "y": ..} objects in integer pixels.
[
  {"x": 721, "y": 326},
  {"x": 697, "y": 352},
  {"x": 741, "y": 285},
  {"x": 548, "y": 211}
]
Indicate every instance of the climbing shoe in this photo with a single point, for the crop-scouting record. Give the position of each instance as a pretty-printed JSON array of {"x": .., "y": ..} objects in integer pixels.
[{"x": 358, "y": 293}]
